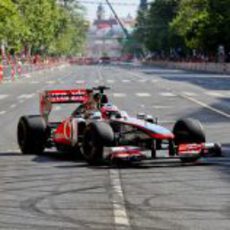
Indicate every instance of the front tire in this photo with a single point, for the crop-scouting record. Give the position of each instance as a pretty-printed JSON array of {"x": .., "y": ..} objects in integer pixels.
[
  {"x": 188, "y": 131},
  {"x": 97, "y": 135},
  {"x": 31, "y": 134}
]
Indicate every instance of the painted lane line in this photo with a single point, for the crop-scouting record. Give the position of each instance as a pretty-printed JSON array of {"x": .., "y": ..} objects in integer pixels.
[
  {"x": 125, "y": 81},
  {"x": 26, "y": 96},
  {"x": 119, "y": 95},
  {"x": 34, "y": 82},
  {"x": 2, "y": 112},
  {"x": 191, "y": 94},
  {"x": 142, "y": 80},
  {"x": 99, "y": 73},
  {"x": 214, "y": 94},
  {"x": 27, "y": 75},
  {"x": 110, "y": 81},
  {"x": 121, "y": 219},
  {"x": 12, "y": 151},
  {"x": 3, "y": 96},
  {"x": 168, "y": 94},
  {"x": 50, "y": 82},
  {"x": 143, "y": 94},
  {"x": 80, "y": 82},
  {"x": 162, "y": 106},
  {"x": 13, "y": 106},
  {"x": 226, "y": 115}
]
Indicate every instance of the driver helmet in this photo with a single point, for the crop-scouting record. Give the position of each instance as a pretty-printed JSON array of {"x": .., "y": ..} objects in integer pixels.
[{"x": 108, "y": 110}]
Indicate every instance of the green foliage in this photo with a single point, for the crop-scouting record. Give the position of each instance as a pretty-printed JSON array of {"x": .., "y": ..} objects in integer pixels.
[
  {"x": 153, "y": 28},
  {"x": 203, "y": 24},
  {"x": 190, "y": 24},
  {"x": 191, "y": 21},
  {"x": 11, "y": 25},
  {"x": 42, "y": 26}
]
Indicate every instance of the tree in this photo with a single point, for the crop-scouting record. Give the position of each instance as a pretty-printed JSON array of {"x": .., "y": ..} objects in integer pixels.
[
  {"x": 141, "y": 26},
  {"x": 12, "y": 28},
  {"x": 70, "y": 31},
  {"x": 42, "y": 26},
  {"x": 204, "y": 24},
  {"x": 160, "y": 15},
  {"x": 40, "y": 20},
  {"x": 152, "y": 28}
]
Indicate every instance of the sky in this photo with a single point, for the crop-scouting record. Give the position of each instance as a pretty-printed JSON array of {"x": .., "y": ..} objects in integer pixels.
[{"x": 128, "y": 7}]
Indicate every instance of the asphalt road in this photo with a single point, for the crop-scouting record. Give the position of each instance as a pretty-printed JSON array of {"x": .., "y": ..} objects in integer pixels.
[{"x": 56, "y": 192}]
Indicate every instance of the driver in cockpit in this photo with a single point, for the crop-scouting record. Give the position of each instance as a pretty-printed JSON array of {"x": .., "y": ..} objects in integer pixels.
[{"x": 93, "y": 104}]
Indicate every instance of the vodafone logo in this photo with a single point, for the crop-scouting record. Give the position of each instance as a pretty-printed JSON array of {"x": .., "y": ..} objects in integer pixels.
[{"x": 67, "y": 130}]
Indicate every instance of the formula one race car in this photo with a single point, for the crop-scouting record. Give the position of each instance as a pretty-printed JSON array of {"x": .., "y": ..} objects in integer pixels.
[{"x": 101, "y": 132}]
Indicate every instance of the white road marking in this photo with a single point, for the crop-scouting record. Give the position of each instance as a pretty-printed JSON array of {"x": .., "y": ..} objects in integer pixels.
[
  {"x": 110, "y": 81},
  {"x": 13, "y": 106},
  {"x": 12, "y": 151},
  {"x": 34, "y": 82},
  {"x": 50, "y": 82},
  {"x": 155, "y": 80},
  {"x": 133, "y": 74},
  {"x": 142, "y": 80},
  {"x": 191, "y": 94},
  {"x": 214, "y": 94},
  {"x": 161, "y": 106},
  {"x": 27, "y": 75},
  {"x": 2, "y": 112},
  {"x": 3, "y": 96},
  {"x": 80, "y": 82},
  {"x": 207, "y": 106},
  {"x": 121, "y": 219},
  {"x": 167, "y": 94},
  {"x": 143, "y": 94},
  {"x": 100, "y": 76},
  {"x": 125, "y": 81},
  {"x": 119, "y": 95},
  {"x": 26, "y": 96}
]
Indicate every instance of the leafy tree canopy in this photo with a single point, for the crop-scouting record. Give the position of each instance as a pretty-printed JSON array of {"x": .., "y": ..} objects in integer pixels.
[{"x": 42, "y": 26}]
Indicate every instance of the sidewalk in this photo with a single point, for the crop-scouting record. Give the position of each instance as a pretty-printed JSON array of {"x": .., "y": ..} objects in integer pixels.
[
  {"x": 222, "y": 68},
  {"x": 18, "y": 71}
]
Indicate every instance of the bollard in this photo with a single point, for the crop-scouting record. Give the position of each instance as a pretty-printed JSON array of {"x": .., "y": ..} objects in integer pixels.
[
  {"x": 19, "y": 70},
  {"x": 1, "y": 73},
  {"x": 13, "y": 72}
]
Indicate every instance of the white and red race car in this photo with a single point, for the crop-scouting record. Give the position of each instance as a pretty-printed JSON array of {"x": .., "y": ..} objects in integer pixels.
[{"x": 102, "y": 132}]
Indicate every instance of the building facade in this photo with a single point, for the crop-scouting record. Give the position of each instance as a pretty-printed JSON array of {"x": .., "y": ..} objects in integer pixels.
[{"x": 105, "y": 35}]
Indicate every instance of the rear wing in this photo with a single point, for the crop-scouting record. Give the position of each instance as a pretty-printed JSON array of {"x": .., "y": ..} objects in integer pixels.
[
  {"x": 49, "y": 97},
  {"x": 66, "y": 96}
]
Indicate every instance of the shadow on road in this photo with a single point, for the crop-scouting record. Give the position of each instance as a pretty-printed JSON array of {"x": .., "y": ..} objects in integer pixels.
[
  {"x": 6, "y": 154},
  {"x": 216, "y": 82},
  {"x": 78, "y": 161},
  {"x": 205, "y": 115},
  {"x": 58, "y": 156}
]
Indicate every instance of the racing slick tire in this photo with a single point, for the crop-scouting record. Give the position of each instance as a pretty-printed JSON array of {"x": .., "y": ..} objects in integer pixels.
[
  {"x": 97, "y": 136},
  {"x": 31, "y": 134},
  {"x": 189, "y": 159},
  {"x": 187, "y": 131}
]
